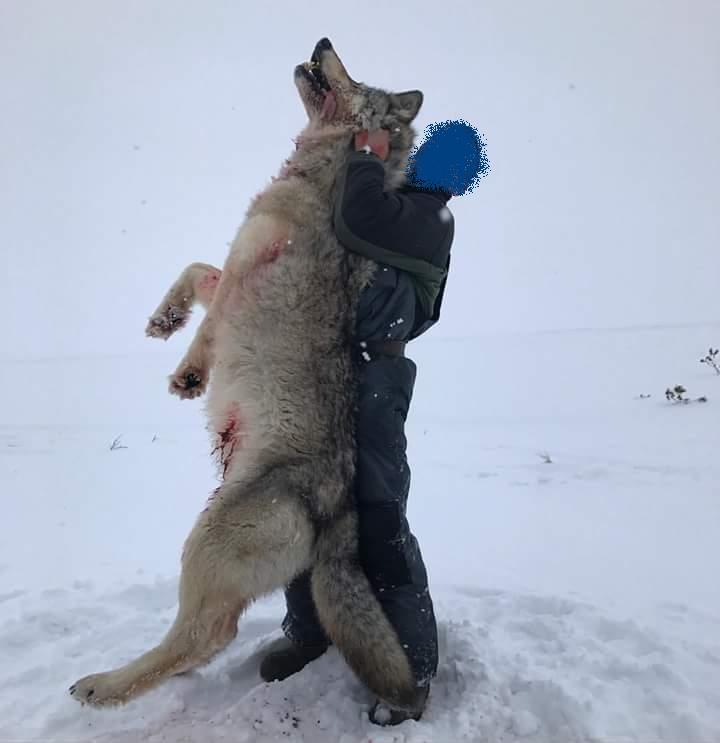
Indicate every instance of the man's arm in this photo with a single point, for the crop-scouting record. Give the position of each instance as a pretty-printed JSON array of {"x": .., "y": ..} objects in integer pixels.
[
  {"x": 373, "y": 222},
  {"x": 364, "y": 211},
  {"x": 412, "y": 231},
  {"x": 362, "y": 205}
]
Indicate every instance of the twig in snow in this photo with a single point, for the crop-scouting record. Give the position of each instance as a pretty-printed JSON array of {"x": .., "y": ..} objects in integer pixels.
[
  {"x": 711, "y": 359},
  {"x": 116, "y": 444},
  {"x": 546, "y": 458}
]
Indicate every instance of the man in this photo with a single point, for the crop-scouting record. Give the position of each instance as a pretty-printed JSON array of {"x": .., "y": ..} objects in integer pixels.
[{"x": 409, "y": 233}]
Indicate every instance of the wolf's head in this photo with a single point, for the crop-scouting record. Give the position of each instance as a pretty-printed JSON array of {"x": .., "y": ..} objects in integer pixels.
[{"x": 334, "y": 102}]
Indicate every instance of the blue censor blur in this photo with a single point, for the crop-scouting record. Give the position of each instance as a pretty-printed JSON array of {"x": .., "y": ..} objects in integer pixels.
[{"x": 451, "y": 158}]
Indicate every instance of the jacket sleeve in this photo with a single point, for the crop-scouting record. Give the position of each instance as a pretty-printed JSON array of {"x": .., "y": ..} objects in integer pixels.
[
  {"x": 394, "y": 228},
  {"x": 363, "y": 209}
]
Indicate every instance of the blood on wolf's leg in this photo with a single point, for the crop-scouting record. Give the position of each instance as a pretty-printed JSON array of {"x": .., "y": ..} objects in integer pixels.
[
  {"x": 230, "y": 438},
  {"x": 205, "y": 285}
]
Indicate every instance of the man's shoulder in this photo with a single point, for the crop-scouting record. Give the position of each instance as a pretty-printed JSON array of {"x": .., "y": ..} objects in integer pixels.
[
  {"x": 432, "y": 205},
  {"x": 425, "y": 194}
]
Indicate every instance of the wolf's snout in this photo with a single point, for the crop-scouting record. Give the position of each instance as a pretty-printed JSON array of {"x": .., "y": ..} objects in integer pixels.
[
  {"x": 322, "y": 45},
  {"x": 321, "y": 82}
]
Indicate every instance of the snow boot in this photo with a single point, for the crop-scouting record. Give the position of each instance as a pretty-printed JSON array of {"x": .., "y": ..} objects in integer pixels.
[
  {"x": 382, "y": 714},
  {"x": 286, "y": 658}
]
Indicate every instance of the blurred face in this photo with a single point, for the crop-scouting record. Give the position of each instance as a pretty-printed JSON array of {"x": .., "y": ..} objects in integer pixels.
[{"x": 451, "y": 159}]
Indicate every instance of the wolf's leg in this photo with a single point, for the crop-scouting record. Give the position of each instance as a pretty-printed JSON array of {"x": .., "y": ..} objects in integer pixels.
[
  {"x": 354, "y": 620},
  {"x": 259, "y": 242},
  {"x": 197, "y": 283},
  {"x": 247, "y": 543},
  {"x": 192, "y": 374}
]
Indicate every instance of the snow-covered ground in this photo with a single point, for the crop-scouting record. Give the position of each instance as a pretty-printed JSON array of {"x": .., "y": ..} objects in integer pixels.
[{"x": 578, "y": 599}]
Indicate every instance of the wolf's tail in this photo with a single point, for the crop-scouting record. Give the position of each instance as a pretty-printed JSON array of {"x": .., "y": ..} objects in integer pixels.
[{"x": 354, "y": 619}]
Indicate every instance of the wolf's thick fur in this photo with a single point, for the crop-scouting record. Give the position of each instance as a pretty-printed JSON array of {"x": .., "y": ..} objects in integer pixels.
[{"x": 277, "y": 336}]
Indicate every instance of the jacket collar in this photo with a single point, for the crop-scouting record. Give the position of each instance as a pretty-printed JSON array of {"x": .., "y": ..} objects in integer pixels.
[{"x": 442, "y": 196}]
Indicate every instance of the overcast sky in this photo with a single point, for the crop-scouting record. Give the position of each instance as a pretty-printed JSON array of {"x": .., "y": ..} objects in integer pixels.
[{"x": 134, "y": 132}]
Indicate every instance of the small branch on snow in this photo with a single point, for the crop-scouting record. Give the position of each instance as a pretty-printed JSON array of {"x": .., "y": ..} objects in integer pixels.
[
  {"x": 712, "y": 359},
  {"x": 116, "y": 444},
  {"x": 546, "y": 458}
]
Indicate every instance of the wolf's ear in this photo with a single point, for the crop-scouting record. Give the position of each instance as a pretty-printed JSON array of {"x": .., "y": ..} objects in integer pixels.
[{"x": 406, "y": 105}]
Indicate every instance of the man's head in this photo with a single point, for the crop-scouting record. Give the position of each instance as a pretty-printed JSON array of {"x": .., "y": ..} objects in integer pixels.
[{"x": 452, "y": 159}]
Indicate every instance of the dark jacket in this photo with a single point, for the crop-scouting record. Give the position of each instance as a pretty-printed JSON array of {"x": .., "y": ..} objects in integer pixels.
[{"x": 409, "y": 232}]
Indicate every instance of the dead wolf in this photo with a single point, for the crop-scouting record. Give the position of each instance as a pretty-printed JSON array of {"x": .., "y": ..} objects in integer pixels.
[{"x": 277, "y": 337}]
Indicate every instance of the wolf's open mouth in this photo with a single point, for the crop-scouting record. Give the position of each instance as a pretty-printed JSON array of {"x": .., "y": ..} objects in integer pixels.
[
  {"x": 315, "y": 76},
  {"x": 317, "y": 73},
  {"x": 320, "y": 86},
  {"x": 320, "y": 93},
  {"x": 321, "y": 82}
]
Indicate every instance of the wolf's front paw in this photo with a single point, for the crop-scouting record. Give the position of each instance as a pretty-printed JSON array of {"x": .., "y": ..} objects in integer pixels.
[
  {"x": 165, "y": 322},
  {"x": 100, "y": 689},
  {"x": 189, "y": 381}
]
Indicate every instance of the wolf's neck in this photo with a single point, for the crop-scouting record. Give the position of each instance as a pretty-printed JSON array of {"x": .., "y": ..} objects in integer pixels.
[
  {"x": 314, "y": 166},
  {"x": 317, "y": 159}
]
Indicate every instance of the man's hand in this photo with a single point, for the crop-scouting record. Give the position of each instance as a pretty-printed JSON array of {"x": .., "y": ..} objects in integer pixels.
[{"x": 376, "y": 141}]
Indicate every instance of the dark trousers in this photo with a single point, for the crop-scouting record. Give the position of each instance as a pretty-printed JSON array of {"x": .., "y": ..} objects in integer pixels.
[{"x": 389, "y": 552}]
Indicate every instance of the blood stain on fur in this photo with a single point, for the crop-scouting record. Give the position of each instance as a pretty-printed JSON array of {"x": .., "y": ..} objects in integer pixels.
[
  {"x": 209, "y": 280},
  {"x": 270, "y": 253},
  {"x": 265, "y": 257},
  {"x": 207, "y": 284},
  {"x": 230, "y": 438}
]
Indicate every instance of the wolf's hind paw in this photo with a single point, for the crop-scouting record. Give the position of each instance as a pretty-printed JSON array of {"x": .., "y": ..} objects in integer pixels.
[{"x": 97, "y": 690}]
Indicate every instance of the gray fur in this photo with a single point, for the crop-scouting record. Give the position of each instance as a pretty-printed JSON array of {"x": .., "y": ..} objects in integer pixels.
[{"x": 277, "y": 337}]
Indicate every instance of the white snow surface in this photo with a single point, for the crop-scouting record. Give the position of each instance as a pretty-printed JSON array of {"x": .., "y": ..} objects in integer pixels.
[{"x": 577, "y": 600}]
